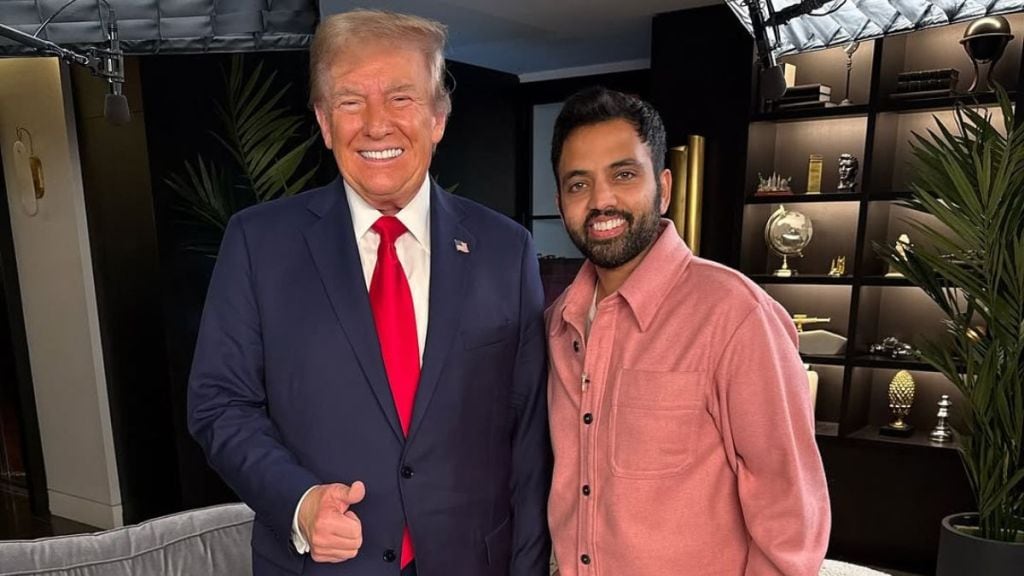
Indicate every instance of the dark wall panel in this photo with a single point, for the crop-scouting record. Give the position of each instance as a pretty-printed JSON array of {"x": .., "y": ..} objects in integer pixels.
[{"x": 701, "y": 67}]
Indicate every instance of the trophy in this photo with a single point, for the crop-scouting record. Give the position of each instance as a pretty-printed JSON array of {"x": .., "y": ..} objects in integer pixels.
[
  {"x": 901, "y": 398},
  {"x": 985, "y": 41},
  {"x": 903, "y": 246},
  {"x": 942, "y": 432},
  {"x": 837, "y": 267},
  {"x": 848, "y": 168},
  {"x": 787, "y": 233}
]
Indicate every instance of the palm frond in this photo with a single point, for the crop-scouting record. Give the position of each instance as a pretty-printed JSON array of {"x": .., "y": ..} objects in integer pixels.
[{"x": 268, "y": 143}]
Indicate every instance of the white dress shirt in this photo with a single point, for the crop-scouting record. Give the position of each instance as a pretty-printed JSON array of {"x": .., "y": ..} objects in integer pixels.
[{"x": 413, "y": 250}]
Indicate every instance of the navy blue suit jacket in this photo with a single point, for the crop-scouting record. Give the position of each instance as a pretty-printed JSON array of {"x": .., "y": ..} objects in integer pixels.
[{"x": 288, "y": 390}]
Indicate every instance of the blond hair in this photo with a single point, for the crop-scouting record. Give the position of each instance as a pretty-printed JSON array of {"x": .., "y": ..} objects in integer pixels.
[{"x": 338, "y": 32}]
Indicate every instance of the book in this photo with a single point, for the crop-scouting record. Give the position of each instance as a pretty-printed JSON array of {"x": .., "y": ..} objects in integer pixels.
[
  {"x": 928, "y": 74},
  {"x": 804, "y": 89},
  {"x": 808, "y": 98},
  {"x": 944, "y": 93},
  {"x": 806, "y": 105}
]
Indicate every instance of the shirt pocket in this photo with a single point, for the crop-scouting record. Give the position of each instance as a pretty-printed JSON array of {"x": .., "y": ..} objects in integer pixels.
[{"x": 652, "y": 422}]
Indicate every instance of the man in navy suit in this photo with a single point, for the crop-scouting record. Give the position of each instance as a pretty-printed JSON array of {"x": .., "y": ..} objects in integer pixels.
[{"x": 370, "y": 370}]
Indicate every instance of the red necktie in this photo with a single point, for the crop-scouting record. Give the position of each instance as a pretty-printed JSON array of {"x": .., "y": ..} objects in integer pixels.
[{"x": 393, "y": 313}]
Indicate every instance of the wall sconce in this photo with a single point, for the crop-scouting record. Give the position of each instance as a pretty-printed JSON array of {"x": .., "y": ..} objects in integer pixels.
[{"x": 29, "y": 173}]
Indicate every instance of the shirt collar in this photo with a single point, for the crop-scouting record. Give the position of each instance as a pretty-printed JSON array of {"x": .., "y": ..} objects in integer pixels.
[
  {"x": 644, "y": 290},
  {"x": 415, "y": 215}
]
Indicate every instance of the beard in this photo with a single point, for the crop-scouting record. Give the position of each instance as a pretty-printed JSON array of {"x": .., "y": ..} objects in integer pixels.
[{"x": 641, "y": 232}]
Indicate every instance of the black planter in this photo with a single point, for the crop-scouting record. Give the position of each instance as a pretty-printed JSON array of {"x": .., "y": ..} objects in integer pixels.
[{"x": 965, "y": 555}]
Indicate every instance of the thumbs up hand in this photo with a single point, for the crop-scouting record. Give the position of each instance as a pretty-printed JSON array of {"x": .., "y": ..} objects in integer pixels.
[{"x": 329, "y": 524}]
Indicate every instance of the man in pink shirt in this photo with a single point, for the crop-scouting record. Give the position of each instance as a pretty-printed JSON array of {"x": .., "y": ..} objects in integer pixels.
[{"x": 680, "y": 414}]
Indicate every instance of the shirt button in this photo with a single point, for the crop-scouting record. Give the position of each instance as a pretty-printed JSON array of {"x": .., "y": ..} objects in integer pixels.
[
  {"x": 585, "y": 559},
  {"x": 407, "y": 472},
  {"x": 389, "y": 556},
  {"x": 575, "y": 345},
  {"x": 588, "y": 418},
  {"x": 586, "y": 490}
]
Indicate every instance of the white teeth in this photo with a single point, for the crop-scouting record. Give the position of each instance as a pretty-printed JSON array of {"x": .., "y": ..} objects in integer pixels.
[
  {"x": 608, "y": 224},
  {"x": 381, "y": 154}
]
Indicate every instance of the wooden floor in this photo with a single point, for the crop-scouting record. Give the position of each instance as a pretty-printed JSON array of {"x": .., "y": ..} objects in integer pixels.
[{"x": 17, "y": 522}]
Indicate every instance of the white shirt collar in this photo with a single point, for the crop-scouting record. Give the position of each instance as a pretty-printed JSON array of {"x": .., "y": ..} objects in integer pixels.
[{"x": 415, "y": 215}]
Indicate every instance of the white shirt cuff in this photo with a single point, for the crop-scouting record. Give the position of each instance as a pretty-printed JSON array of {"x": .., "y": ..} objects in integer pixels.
[{"x": 298, "y": 540}]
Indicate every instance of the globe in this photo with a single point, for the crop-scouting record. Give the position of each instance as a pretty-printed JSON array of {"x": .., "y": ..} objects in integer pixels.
[{"x": 787, "y": 233}]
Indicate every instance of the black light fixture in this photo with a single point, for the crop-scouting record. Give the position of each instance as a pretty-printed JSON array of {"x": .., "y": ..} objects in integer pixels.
[
  {"x": 782, "y": 27},
  {"x": 106, "y": 63}
]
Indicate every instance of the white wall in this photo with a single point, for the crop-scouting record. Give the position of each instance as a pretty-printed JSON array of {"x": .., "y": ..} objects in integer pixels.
[{"x": 58, "y": 295}]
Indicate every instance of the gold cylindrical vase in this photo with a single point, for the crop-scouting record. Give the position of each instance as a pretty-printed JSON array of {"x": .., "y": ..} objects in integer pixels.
[{"x": 687, "y": 166}]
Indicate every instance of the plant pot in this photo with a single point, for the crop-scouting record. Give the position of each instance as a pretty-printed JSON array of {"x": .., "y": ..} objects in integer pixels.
[{"x": 961, "y": 554}]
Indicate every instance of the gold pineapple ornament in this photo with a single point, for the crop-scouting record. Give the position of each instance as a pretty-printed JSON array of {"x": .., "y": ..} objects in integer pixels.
[{"x": 901, "y": 398}]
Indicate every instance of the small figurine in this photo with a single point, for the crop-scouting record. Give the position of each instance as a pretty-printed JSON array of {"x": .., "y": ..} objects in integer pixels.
[
  {"x": 838, "y": 267},
  {"x": 903, "y": 246},
  {"x": 894, "y": 348},
  {"x": 773, "y": 185},
  {"x": 942, "y": 432},
  {"x": 848, "y": 168}
]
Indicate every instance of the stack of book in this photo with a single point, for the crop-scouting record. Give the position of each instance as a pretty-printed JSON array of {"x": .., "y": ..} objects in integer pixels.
[
  {"x": 805, "y": 96},
  {"x": 926, "y": 83}
]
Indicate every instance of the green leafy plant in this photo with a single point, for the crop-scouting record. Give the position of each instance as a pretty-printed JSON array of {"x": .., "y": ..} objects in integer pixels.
[
  {"x": 268, "y": 145},
  {"x": 971, "y": 180}
]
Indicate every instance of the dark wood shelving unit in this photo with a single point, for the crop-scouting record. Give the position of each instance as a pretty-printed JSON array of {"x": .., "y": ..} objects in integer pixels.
[
  {"x": 865, "y": 305},
  {"x": 803, "y": 198}
]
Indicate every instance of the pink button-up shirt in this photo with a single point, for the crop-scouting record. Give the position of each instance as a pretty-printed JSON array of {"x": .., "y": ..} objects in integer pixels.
[{"x": 682, "y": 429}]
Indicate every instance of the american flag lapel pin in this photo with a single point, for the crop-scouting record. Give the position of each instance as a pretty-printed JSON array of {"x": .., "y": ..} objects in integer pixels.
[{"x": 461, "y": 246}]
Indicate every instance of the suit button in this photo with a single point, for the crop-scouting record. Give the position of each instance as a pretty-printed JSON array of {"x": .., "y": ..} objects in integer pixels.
[
  {"x": 389, "y": 556},
  {"x": 575, "y": 345},
  {"x": 586, "y": 490},
  {"x": 585, "y": 559},
  {"x": 588, "y": 418},
  {"x": 407, "y": 472}
]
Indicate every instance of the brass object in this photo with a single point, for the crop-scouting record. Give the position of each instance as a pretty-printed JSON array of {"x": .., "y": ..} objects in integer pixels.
[
  {"x": 985, "y": 41},
  {"x": 29, "y": 170},
  {"x": 901, "y": 398},
  {"x": 687, "y": 166},
  {"x": 837, "y": 267},
  {"x": 814, "y": 174},
  {"x": 801, "y": 319},
  {"x": 902, "y": 246}
]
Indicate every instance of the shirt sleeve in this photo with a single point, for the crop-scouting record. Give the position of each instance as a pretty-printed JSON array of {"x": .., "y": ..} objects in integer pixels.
[
  {"x": 298, "y": 540},
  {"x": 767, "y": 423}
]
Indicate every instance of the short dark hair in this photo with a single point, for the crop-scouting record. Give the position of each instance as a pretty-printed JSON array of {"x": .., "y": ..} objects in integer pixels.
[{"x": 599, "y": 104}]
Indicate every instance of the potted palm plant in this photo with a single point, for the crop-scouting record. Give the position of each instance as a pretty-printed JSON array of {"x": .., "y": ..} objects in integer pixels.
[
  {"x": 271, "y": 151},
  {"x": 970, "y": 178}
]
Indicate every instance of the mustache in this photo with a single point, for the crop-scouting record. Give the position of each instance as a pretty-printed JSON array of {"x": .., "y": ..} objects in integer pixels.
[{"x": 610, "y": 213}]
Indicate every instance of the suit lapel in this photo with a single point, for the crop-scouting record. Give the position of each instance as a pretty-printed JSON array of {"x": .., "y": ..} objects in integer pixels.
[
  {"x": 449, "y": 269},
  {"x": 332, "y": 242}
]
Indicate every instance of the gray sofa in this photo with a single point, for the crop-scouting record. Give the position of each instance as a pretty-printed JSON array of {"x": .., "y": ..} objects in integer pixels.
[
  {"x": 213, "y": 541},
  {"x": 205, "y": 542}
]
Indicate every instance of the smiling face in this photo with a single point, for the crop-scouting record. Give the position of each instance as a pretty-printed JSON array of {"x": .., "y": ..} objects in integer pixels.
[
  {"x": 379, "y": 119},
  {"x": 609, "y": 196}
]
